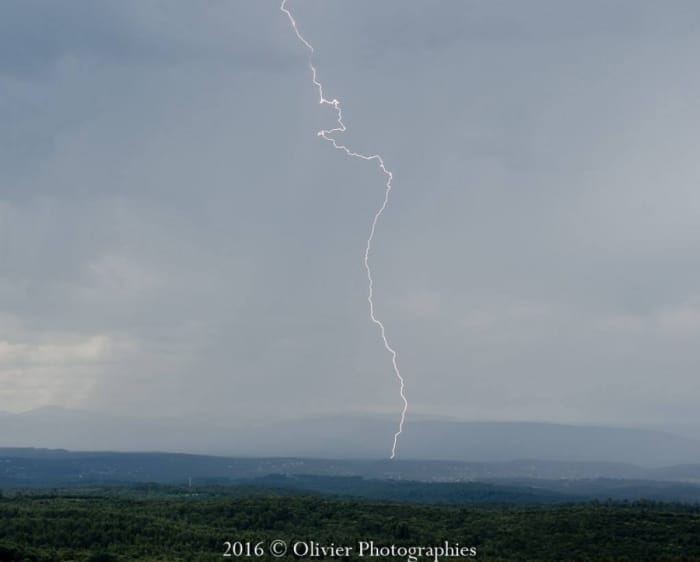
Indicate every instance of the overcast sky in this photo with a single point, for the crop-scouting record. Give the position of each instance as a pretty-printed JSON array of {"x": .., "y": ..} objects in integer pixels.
[{"x": 175, "y": 239}]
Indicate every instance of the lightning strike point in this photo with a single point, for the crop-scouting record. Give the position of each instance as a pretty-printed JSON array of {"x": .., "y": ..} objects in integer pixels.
[{"x": 327, "y": 135}]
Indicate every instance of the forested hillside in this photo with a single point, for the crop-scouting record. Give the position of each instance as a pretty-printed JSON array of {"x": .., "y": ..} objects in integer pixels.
[{"x": 150, "y": 523}]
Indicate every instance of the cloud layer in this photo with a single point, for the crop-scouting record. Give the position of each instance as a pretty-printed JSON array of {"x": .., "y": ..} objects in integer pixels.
[{"x": 175, "y": 239}]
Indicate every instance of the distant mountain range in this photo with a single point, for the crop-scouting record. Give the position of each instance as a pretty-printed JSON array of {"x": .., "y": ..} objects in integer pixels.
[
  {"x": 61, "y": 466},
  {"x": 429, "y": 481},
  {"x": 351, "y": 438}
]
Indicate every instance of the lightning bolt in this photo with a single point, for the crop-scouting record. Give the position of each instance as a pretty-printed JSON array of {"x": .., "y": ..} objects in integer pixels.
[{"x": 329, "y": 136}]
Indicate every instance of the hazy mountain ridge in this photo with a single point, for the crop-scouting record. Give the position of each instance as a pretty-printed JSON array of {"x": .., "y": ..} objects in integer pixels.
[
  {"x": 350, "y": 437},
  {"x": 429, "y": 481},
  {"x": 18, "y": 464}
]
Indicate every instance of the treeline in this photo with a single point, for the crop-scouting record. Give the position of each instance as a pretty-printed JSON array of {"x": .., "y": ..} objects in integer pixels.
[{"x": 154, "y": 523}]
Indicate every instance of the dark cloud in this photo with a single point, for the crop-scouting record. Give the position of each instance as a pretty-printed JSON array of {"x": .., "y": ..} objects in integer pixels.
[{"x": 174, "y": 237}]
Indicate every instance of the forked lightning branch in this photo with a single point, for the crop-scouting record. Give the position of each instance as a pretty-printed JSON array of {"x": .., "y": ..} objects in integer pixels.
[{"x": 329, "y": 135}]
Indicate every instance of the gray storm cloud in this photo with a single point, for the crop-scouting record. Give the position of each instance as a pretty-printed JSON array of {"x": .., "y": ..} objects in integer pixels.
[{"x": 175, "y": 239}]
